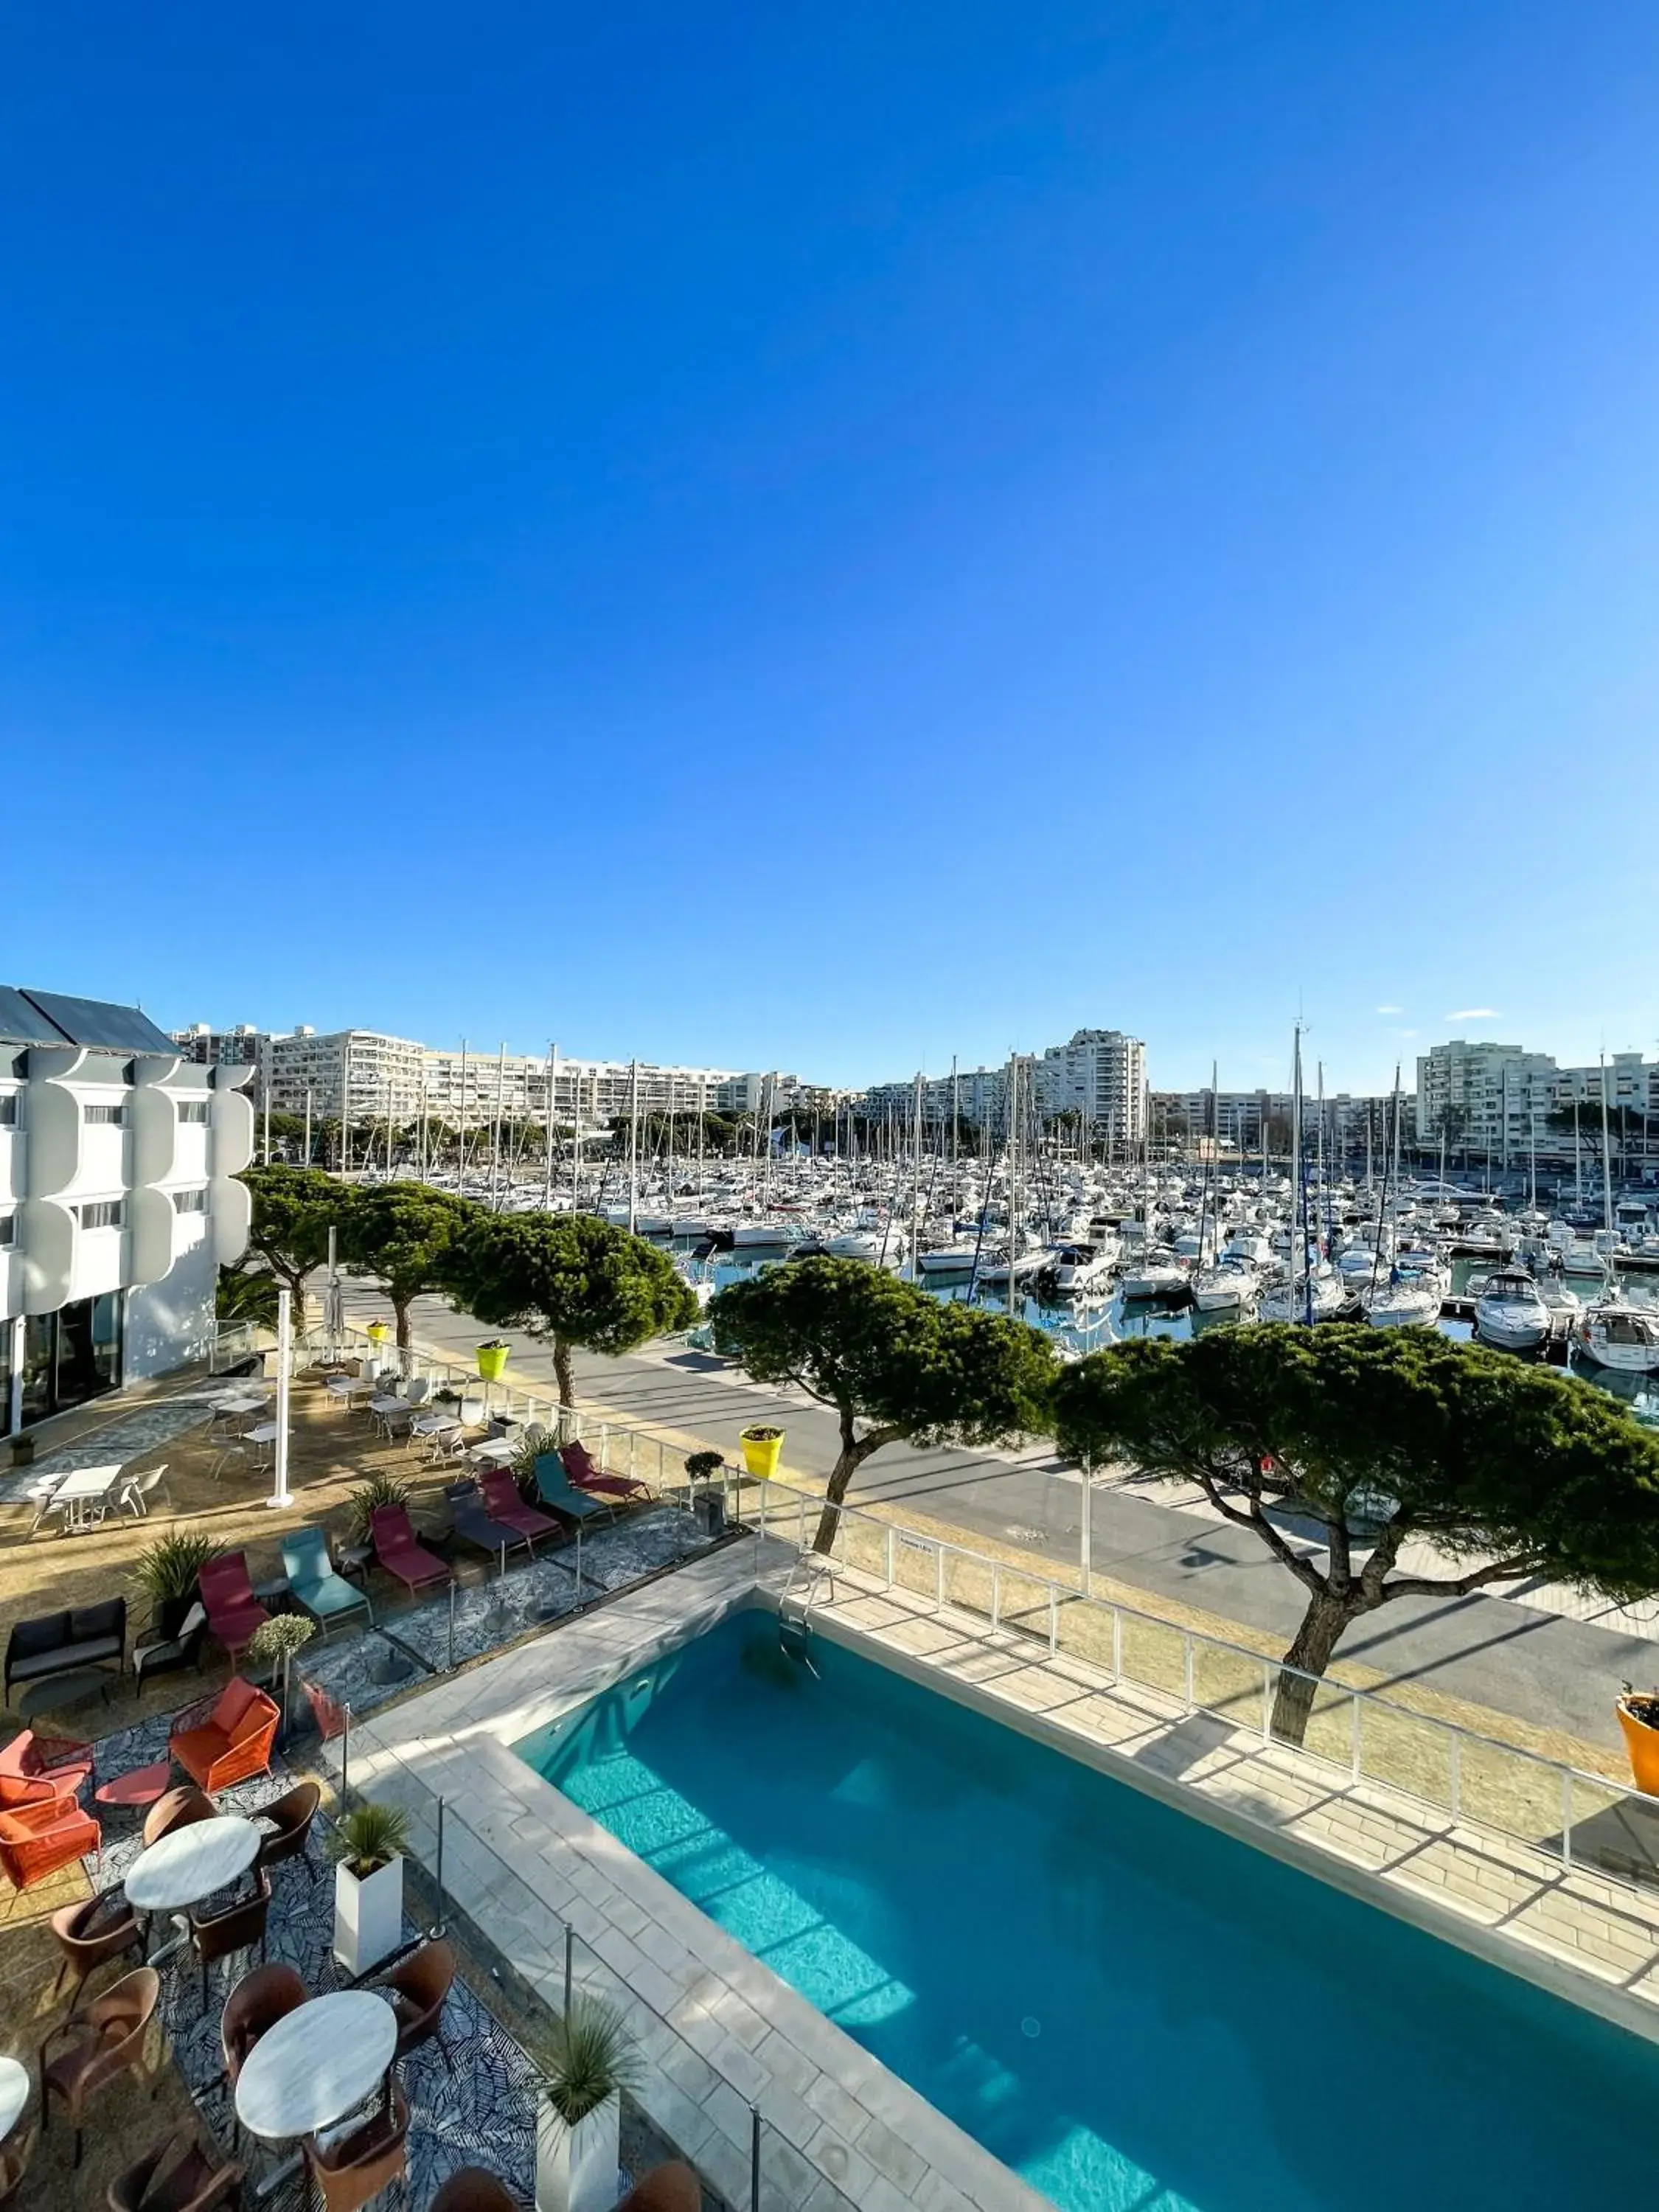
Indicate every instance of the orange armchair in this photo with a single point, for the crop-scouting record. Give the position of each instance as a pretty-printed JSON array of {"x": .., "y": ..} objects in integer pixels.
[
  {"x": 35, "y": 1767},
  {"x": 228, "y": 1738},
  {"x": 36, "y": 1840}
]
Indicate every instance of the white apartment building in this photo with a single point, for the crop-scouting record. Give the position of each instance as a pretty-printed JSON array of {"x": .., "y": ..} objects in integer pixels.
[
  {"x": 1101, "y": 1075},
  {"x": 364, "y": 1076},
  {"x": 119, "y": 1202},
  {"x": 1485, "y": 1097}
]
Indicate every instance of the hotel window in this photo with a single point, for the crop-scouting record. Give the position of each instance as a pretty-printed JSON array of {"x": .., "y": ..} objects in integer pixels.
[
  {"x": 7, "y": 1232},
  {"x": 190, "y": 1201},
  {"x": 193, "y": 1109},
  {"x": 103, "y": 1213},
  {"x": 114, "y": 1116},
  {"x": 8, "y": 1110}
]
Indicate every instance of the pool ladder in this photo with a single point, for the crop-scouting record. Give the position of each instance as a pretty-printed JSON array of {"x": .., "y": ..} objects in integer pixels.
[{"x": 795, "y": 1630}]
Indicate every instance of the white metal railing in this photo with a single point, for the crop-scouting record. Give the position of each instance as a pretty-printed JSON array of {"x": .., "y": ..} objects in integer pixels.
[{"x": 1368, "y": 1736}]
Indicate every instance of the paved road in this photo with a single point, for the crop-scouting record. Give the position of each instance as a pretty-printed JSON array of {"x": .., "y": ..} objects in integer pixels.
[{"x": 1514, "y": 1658}]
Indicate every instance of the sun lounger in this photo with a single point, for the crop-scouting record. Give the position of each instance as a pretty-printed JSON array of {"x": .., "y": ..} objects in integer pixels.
[
  {"x": 396, "y": 1549},
  {"x": 553, "y": 1488}
]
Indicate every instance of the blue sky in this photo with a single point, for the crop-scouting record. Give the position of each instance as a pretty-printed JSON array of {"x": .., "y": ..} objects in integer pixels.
[{"x": 830, "y": 537}]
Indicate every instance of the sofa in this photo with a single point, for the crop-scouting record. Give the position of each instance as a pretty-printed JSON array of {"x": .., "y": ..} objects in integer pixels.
[{"x": 60, "y": 1643}]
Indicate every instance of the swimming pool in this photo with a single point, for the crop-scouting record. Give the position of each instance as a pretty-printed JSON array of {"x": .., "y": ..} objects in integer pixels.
[{"x": 1135, "y": 2012}]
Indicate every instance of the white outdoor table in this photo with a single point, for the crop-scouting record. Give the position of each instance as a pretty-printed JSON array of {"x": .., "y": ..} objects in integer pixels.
[
  {"x": 264, "y": 1436},
  {"x": 14, "y": 2094},
  {"x": 85, "y": 1486},
  {"x": 320, "y": 2061},
  {"x": 189, "y": 1865}
]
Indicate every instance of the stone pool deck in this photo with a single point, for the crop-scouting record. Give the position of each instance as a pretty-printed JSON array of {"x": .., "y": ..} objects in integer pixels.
[{"x": 720, "y": 2033}]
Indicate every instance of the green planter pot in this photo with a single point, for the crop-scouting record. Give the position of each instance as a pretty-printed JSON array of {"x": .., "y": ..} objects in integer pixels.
[{"x": 492, "y": 1362}]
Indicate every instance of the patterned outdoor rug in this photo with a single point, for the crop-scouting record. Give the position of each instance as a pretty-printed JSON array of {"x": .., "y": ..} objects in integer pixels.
[
  {"x": 147, "y": 1428},
  {"x": 483, "y": 2114}
]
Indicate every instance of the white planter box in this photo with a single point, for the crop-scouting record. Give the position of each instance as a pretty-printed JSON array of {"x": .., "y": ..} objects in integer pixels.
[
  {"x": 369, "y": 1916},
  {"x": 576, "y": 2168}
]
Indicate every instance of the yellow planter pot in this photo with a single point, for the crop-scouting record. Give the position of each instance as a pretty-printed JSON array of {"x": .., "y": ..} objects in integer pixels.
[
  {"x": 1641, "y": 1743},
  {"x": 377, "y": 1332},
  {"x": 492, "y": 1361},
  {"x": 761, "y": 1455}
]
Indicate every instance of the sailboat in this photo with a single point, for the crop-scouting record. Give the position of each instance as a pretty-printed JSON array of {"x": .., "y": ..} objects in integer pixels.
[{"x": 1612, "y": 1332}]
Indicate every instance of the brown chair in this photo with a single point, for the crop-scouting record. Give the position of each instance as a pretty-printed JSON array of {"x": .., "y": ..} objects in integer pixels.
[
  {"x": 258, "y": 2001},
  {"x": 352, "y": 2171},
  {"x": 418, "y": 1987},
  {"x": 108, "y": 2041},
  {"x": 181, "y": 1807},
  {"x": 473, "y": 2189},
  {"x": 196, "y": 2180},
  {"x": 670, "y": 2188},
  {"x": 13, "y": 2164},
  {"x": 291, "y": 1817},
  {"x": 238, "y": 1928},
  {"x": 88, "y": 1933}
]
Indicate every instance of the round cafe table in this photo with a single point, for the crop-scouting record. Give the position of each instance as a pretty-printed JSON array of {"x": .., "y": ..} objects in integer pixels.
[
  {"x": 320, "y": 2061},
  {"x": 140, "y": 1785},
  {"x": 14, "y": 2094},
  {"x": 188, "y": 1864}
]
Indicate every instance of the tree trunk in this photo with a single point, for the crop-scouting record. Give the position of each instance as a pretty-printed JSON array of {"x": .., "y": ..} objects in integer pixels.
[
  {"x": 1322, "y": 1626},
  {"x": 401, "y": 1335},
  {"x": 562, "y": 1369},
  {"x": 840, "y": 1476}
]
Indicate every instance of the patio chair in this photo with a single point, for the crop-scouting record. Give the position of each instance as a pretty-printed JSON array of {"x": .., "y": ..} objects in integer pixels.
[
  {"x": 107, "y": 2040},
  {"x": 397, "y": 1550},
  {"x": 215, "y": 1936},
  {"x": 474, "y": 2189},
  {"x": 230, "y": 1448},
  {"x": 553, "y": 1488},
  {"x": 418, "y": 1988},
  {"x": 181, "y": 1807},
  {"x": 291, "y": 1817},
  {"x": 136, "y": 1491},
  {"x": 34, "y": 1766},
  {"x": 92, "y": 1933},
  {"x": 417, "y": 1389},
  {"x": 233, "y": 1611},
  {"x": 313, "y": 1582},
  {"x": 195, "y": 2181},
  {"x": 503, "y": 1503},
  {"x": 352, "y": 2169},
  {"x": 162, "y": 1653},
  {"x": 470, "y": 1520},
  {"x": 328, "y": 1713},
  {"x": 36, "y": 1840},
  {"x": 670, "y": 2188},
  {"x": 579, "y": 1466},
  {"x": 263, "y": 1997},
  {"x": 228, "y": 1738}
]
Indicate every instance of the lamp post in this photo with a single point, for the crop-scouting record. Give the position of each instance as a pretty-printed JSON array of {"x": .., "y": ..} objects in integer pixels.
[{"x": 280, "y": 1496}]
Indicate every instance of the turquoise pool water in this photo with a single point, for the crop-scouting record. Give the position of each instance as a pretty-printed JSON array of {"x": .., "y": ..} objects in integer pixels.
[{"x": 1137, "y": 2013}]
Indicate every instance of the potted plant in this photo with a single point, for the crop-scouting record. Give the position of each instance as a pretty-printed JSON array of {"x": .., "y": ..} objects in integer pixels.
[
  {"x": 377, "y": 1332},
  {"x": 492, "y": 1359},
  {"x": 585, "y": 2061},
  {"x": 1638, "y": 1720},
  {"x": 761, "y": 1450},
  {"x": 273, "y": 1643},
  {"x": 166, "y": 1573},
  {"x": 368, "y": 1845},
  {"x": 363, "y": 1503},
  {"x": 703, "y": 1465}
]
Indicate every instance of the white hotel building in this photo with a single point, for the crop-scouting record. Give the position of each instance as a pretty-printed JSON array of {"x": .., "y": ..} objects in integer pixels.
[{"x": 117, "y": 1199}]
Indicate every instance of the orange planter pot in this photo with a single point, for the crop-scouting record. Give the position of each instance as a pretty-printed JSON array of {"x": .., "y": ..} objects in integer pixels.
[{"x": 1641, "y": 1743}]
